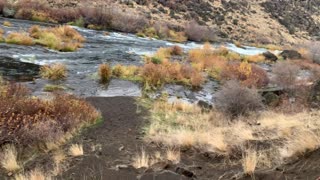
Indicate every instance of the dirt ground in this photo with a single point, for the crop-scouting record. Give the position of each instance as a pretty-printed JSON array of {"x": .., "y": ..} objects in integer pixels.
[
  {"x": 120, "y": 137},
  {"x": 110, "y": 146}
]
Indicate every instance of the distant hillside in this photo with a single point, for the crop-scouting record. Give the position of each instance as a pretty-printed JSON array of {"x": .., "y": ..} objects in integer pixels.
[
  {"x": 249, "y": 21},
  {"x": 262, "y": 21}
]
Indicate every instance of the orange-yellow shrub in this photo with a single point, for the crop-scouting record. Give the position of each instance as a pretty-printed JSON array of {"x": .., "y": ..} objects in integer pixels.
[
  {"x": 248, "y": 74},
  {"x": 29, "y": 121}
]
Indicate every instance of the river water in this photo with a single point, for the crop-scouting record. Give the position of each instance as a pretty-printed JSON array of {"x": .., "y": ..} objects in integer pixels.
[{"x": 21, "y": 63}]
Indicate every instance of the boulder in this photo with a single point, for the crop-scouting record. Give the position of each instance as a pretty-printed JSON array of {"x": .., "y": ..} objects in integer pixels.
[
  {"x": 291, "y": 54},
  {"x": 271, "y": 99},
  {"x": 270, "y": 56},
  {"x": 204, "y": 105},
  {"x": 8, "y": 12},
  {"x": 17, "y": 70}
]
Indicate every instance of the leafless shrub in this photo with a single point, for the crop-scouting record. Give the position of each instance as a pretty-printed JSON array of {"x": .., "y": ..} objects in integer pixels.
[
  {"x": 65, "y": 15},
  {"x": 127, "y": 21},
  {"x": 285, "y": 75},
  {"x": 196, "y": 32},
  {"x": 236, "y": 100},
  {"x": 314, "y": 51},
  {"x": 101, "y": 16}
]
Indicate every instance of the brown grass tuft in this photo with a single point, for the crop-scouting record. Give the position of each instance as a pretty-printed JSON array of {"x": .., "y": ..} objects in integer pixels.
[
  {"x": 76, "y": 150},
  {"x": 250, "y": 161},
  {"x": 9, "y": 160},
  {"x": 33, "y": 175},
  {"x": 54, "y": 72},
  {"x": 141, "y": 160},
  {"x": 19, "y": 38},
  {"x": 105, "y": 72},
  {"x": 7, "y": 23}
]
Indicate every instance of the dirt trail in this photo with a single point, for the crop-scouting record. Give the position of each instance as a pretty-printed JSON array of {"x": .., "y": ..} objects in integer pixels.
[{"x": 111, "y": 143}]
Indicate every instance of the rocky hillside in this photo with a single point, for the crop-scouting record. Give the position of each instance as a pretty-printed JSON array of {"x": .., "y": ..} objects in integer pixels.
[
  {"x": 260, "y": 21},
  {"x": 250, "y": 21}
]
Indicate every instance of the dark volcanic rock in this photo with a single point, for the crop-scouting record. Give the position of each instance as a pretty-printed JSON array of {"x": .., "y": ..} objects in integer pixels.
[
  {"x": 270, "y": 56},
  {"x": 18, "y": 70},
  {"x": 294, "y": 15},
  {"x": 271, "y": 99},
  {"x": 185, "y": 172},
  {"x": 291, "y": 54}
]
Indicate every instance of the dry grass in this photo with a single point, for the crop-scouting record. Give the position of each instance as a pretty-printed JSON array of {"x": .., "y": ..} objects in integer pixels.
[
  {"x": 141, "y": 160},
  {"x": 105, "y": 73},
  {"x": 209, "y": 60},
  {"x": 54, "y": 72},
  {"x": 185, "y": 125},
  {"x": 126, "y": 72},
  {"x": 33, "y": 175},
  {"x": 162, "y": 31},
  {"x": 62, "y": 38},
  {"x": 159, "y": 70},
  {"x": 19, "y": 38},
  {"x": 58, "y": 157},
  {"x": 255, "y": 58},
  {"x": 9, "y": 159},
  {"x": 7, "y": 24},
  {"x": 76, "y": 150},
  {"x": 250, "y": 161},
  {"x": 173, "y": 155}
]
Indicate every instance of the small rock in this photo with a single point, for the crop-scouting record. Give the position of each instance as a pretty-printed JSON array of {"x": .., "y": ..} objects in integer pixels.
[
  {"x": 121, "y": 148},
  {"x": 122, "y": 166},
  {"x": 271, "y": 99},
  {"x": 7, "y": 12},
  {"x": 160, "y": 166},
  {"x": 204, "y": 105},
  {"x": 185, "y": 172}
]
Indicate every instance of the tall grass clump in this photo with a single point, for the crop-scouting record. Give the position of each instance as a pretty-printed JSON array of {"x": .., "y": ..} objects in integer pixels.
[
  {"x": 156, "y": 75},
  {"x": 105, "y": 73},
  {"x": 9, "y": 159},
  {"x": 54, "y": 72},
  {"x": 7, "y": 23},
  {"x": 62, "y": 38}
]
